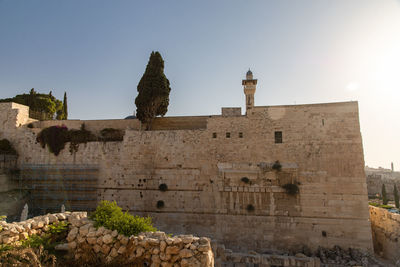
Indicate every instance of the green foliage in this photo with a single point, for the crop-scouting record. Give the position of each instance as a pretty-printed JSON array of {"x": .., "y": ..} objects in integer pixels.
[
  {"x": 7, "y": 148},
  {"x": 111, "y": 134},
  {"x": 111, "y": 216},
  {"x": 55, "y": 138},
  {"x": 245, "y": 180},
  {"x": 374, "y": 204},
  {"x": 58, "y": 228},
  {"x": 384, "y": 196},
  {"x": 5, "y": 247},
  {"x": 384, "y": 206},
  {"x": 291, "y": 189},
  {"x": 277, "y": 166},
  {"x": 41, "y": 106},
  {"x": 153, "y": 91},
  {"x": 35, "y": 241},
  {"x": 396, "y": 196},
  {"x": 65, "y": 107},
  {"x": 57, "y": 232}
]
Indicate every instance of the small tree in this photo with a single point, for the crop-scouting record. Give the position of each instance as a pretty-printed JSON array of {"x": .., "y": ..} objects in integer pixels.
[
  {"x": 384, "y": 196},
  {"x": 153, "y": 91},
  {"x": 396, "y": 196}
]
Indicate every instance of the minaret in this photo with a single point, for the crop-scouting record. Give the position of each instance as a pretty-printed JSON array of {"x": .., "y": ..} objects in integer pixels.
[{"x": 249, "y": 89}]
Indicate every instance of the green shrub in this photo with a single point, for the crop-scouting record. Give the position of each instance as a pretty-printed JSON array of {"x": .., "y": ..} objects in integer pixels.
[
  {"x": 245, "y": 180},
  {"x": 54, "y": 137},
  {"x": 385, "y": 200},
  {"x": 35, "y": 241},
  {"x": 160, "y": 204},
  {"x": 5, "y": 247},
  {"x": 384, "y": 206},
  {"x": 277, "y": 166},
  {"x": 291, "y": 189},
  {"x": 111, "y": 134},
  {"x": 374, "y": 204},
  {"x": 111, "y": 216},
  {"x": 7, "y": 148},
  {"x": 57, "y": 232}
]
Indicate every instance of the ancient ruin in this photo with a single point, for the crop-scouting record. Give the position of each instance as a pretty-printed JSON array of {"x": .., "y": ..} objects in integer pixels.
[{"x": 281, "y": 177}]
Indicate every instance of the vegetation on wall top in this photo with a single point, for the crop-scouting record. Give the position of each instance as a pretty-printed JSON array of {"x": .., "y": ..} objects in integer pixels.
[
  {"x": 55, "y": 137},
  {"x": 41, "y": 106},
  {"x": 153, "y": 91},
  {"x": 7, "y": 148},
  {"x": 111, "y": 216}
]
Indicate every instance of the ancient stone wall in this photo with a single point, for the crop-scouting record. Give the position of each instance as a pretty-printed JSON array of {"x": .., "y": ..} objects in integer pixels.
[
  {"x": 385, "y": 233},
  {"x": 377, "y": 177},
  {"x": 201, "y": 173}
]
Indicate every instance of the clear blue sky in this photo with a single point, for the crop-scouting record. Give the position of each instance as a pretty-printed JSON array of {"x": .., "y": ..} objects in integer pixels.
[{"x": 300, "y": 52}]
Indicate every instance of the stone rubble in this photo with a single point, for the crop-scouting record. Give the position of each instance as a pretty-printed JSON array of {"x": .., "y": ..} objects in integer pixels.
[{"x": 83, "y": 239}]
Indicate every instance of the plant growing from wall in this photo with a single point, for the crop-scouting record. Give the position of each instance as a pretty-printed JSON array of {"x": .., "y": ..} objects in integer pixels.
[
  {"x": 384, "y": 196},
  {"x": 7, "y": 148},
  {"x": 160, "y": 204},
  {"x": 396, "y": 196},
  {"x": 250, "y": 208},
  {"x": 54, "y": 137},
  {"x": 277, "y": 166},
  {"x": 153, "y": 91},
  {"x": 291, "y": 189},
  {"x": 111, "y": 134},
  {"x": 245, "y": 180},
  {"x": 110, "y": 215}
]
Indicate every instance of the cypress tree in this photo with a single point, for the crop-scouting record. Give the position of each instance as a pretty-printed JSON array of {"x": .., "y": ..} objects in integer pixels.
[
  {"x": 396, "y": 196},
  {"x": 153, "y": 91},
  {"x": 384, "y": 197},
  {"x": 65, "y": 106}
]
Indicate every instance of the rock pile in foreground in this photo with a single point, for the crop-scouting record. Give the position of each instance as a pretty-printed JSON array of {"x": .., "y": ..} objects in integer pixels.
[
  {"x": 155, "y": 249},
  {"x": 86, "y": 242}
]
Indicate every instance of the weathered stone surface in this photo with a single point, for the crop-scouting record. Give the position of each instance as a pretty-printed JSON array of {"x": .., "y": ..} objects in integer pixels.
[
  {"x": 172, "y": 250},
  {"x": 105, "y": 249},
  {"x": 107, "y": 239},
  {"x": 186, "y": 253}
]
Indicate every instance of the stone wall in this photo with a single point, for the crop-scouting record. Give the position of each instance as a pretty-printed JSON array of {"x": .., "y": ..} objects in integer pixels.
[
  {"x": 385, "y": 233},
  {"x": 377, "y": 177},
  {"x": 84, "y": 241},
  {"x": 202, "y": 168}
]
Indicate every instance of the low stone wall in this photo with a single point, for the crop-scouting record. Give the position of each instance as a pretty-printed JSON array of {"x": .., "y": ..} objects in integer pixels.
[
  {"x": 385, "y": 233},
  {"x": 13, "y": 233},
  {"x": 84, "y": 241}
]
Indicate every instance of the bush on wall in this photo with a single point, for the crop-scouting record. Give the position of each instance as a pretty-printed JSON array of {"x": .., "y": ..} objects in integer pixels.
[
  {"x": 7, "y": 148},
  {"x": 291, "y": 189},
  {"x": 111, "y": 216},
  {"x": 111, "y": 134},
  {"x": 55, "y": 138}
]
